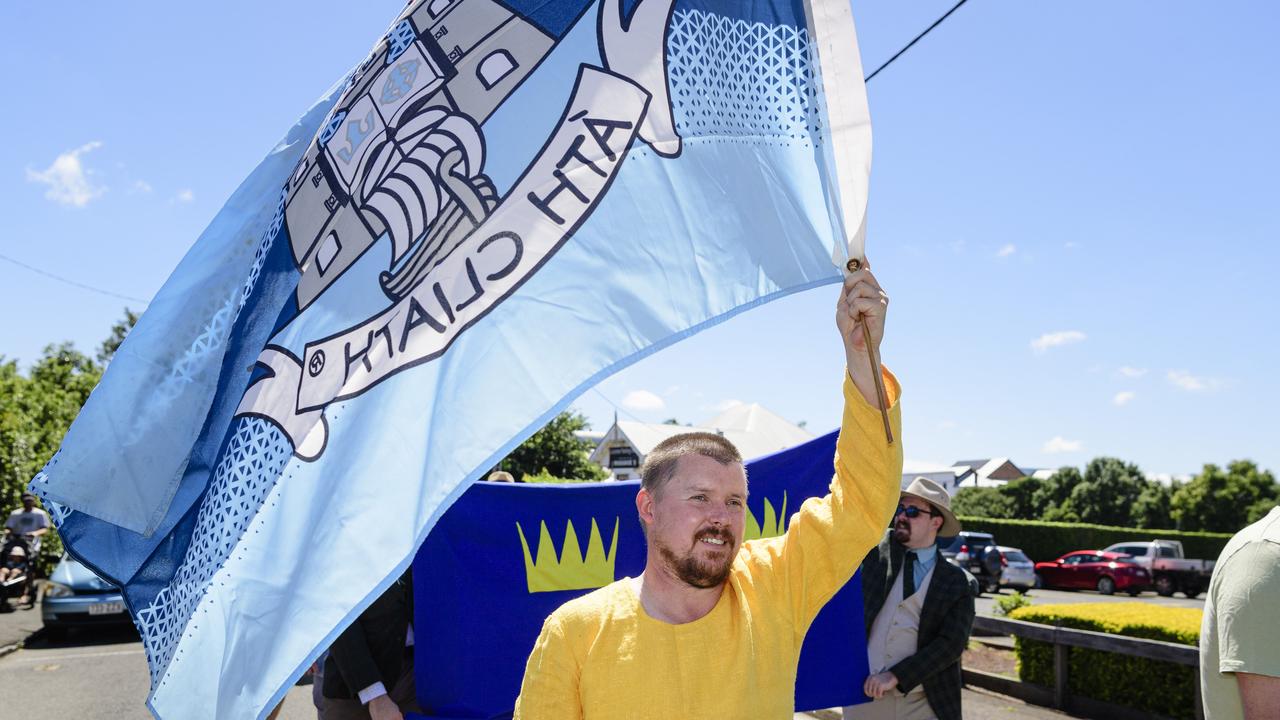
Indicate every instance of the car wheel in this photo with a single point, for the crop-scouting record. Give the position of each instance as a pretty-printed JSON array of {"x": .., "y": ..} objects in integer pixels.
[
  {"x": 1165, "y": 586},
  {"x": 1039, "y": 584},
  {"x": 1106, "y": 586}
]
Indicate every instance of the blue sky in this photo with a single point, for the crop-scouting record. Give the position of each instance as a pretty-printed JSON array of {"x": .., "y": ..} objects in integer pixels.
[{"x": 1073, "y": 208}]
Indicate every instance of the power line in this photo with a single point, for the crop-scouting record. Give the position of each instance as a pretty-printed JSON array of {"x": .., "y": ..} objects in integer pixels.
[
  {"x": 73, "y": 283},
  {"x": 108, "y": 293},
  {"x": 935, "y": 24},
  {"x": 616, "y": 407}
]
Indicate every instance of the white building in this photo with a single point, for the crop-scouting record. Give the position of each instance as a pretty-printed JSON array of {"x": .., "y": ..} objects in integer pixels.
[
  {"x": 988, "y": 472},
  {"x": 945, "y": 475},
  {"x": 754, "y": 430}
]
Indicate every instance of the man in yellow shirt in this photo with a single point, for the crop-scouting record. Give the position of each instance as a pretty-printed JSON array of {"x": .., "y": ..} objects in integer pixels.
[{"x": 713, "y": 626}]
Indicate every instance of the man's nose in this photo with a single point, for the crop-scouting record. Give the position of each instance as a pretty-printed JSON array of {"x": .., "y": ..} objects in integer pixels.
[{"x": 721, "y": 516}]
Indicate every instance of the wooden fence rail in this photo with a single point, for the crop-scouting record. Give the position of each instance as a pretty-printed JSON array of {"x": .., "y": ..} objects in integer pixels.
[{"x": 1063, "y": 638}]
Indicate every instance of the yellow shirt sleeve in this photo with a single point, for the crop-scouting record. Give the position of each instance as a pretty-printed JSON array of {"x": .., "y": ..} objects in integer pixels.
[
  {"x": 550, "y": 687},
  {"x": 829, "y": 536}
]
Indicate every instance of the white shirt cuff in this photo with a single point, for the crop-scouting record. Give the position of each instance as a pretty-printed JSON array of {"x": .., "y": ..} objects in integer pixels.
[{"x": 375, "y": 690}]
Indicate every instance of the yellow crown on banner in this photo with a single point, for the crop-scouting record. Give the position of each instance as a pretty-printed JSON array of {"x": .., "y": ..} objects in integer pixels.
[
  {"x": 573, "y": 570},
  {"x": 774, "y": 524}
]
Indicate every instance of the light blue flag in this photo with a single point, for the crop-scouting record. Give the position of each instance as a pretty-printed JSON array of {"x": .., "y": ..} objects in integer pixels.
[{"x": 503, "y": 204}]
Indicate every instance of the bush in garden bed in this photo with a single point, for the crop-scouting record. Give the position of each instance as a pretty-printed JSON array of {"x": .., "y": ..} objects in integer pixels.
[{"x": 1159, "y": 687}]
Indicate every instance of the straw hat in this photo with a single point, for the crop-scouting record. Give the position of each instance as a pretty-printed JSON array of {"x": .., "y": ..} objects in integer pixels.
[{"x": 932, "y": 493}]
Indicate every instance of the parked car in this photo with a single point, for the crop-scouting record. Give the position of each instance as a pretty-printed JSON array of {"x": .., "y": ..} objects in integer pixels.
[
  {"x": 977, "y": 553},
  {"x": 1104, "y": 571},
  {"x": 74, "y": 597},
  {"x": 1170, "y": 570},
  {"x": 1017, "y": 570}
]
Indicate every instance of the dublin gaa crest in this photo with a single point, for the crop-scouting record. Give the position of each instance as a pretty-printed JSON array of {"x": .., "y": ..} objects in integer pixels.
[{"x": 402, "y": 160}]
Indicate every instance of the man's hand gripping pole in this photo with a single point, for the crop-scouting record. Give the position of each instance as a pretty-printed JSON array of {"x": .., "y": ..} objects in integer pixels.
[{"x": 853, "y": 265}]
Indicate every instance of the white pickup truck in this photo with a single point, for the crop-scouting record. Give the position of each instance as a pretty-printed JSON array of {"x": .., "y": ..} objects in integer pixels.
[{"x": 1170, "y": 571}]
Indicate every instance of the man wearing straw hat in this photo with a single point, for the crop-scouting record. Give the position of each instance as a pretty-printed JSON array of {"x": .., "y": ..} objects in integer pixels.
[{"x": 918, "y": 611}]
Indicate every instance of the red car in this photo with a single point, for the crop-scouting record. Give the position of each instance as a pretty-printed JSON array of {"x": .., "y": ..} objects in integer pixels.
[{"x": 1105, "y": 572}]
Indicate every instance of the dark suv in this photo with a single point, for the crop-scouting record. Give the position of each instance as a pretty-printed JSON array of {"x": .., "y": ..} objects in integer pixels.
[{"x": 977, "y": 553}]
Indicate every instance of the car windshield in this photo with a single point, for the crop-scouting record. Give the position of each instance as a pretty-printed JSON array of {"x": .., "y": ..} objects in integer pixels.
[
  {"x": 980, "y": 540},
  {"x": 1016, "y": 556}
]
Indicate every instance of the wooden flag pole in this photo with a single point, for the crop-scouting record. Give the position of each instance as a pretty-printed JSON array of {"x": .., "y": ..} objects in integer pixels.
[{"x": 852, "y": 266}]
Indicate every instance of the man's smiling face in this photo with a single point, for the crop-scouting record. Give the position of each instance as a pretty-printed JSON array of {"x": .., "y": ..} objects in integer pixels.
[{"x": 697, "y": 519}]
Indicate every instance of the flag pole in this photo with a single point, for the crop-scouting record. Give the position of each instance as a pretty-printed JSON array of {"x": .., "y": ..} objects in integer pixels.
[{"x": 852, "y": 266}]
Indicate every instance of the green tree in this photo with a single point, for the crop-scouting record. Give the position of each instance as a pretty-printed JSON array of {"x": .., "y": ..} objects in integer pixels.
[
  {"x": 119, "y": 330},
  {"x": 555, "y": 452},
  {"x": 1050, "y": 499},
  {"x": 1021, "y": 496},
  {"x": 1224, "y": 500},
  {"x": 985, "y": 502},
  {"x": 36, "y": 410},
  {"x": 1154, "y": 506},
  {"x": 1107, "y": 493}
]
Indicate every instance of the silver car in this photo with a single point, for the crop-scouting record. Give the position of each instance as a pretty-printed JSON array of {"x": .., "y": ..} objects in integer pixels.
[
  {"x": 74, "y": 597},
  {"x": 1018, "y": 571}
]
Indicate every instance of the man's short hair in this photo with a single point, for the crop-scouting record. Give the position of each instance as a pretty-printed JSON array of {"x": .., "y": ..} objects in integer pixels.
[
  {"x": 660, "y": 464},
  {"x": 27, "y": 495}
]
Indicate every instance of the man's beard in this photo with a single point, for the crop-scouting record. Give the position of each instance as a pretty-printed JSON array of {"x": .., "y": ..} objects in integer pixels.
[
  {"x": 902, "y": 532},
  {"x": 700, "y": 573}
]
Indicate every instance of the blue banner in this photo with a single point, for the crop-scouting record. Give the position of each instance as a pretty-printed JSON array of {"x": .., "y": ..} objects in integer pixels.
[
  {"x": 502, "y": 204},
  {"x": 505, "y": 556}
]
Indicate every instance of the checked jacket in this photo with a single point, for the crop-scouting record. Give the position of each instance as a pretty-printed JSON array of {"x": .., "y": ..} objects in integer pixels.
[{"x": 946, "y": 617}]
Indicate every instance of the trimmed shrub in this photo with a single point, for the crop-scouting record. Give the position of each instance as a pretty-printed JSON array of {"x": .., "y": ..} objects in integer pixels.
[
  {"x": 1043, "y": 541},
  {"x": 1160, "y": 687},
  {"x": 1008, "y": 603}
]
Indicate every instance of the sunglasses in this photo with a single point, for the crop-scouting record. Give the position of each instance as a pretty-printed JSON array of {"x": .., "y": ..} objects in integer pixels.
[{"x": 912, "y": 512}]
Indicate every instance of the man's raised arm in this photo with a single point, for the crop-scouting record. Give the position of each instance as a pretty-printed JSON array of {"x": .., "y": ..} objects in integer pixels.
[{"x": 829, "y": 536}]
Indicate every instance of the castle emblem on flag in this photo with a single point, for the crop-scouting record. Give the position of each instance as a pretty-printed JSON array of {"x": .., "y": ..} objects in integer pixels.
[{"x": 404, "y": 156}]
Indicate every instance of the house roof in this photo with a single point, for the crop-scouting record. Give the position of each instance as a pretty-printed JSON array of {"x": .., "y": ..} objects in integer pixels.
[{"x": 754, "y": 430}]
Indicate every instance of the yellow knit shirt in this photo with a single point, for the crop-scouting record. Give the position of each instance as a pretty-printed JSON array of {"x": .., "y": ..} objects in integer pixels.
[{"x": 601, "y": 657}]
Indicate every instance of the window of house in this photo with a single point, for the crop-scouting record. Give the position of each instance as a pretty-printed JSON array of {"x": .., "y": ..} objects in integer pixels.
[{"x": 623, "y": 457}]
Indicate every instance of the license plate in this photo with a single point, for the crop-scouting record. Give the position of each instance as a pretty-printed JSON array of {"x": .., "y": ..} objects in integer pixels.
[{"x": 106, "y": 608}]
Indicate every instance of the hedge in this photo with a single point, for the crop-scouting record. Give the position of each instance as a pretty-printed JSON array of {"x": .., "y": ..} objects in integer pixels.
[
  {"x": 1159, "y": 687},
  {"x": 1043, "y": 541}
]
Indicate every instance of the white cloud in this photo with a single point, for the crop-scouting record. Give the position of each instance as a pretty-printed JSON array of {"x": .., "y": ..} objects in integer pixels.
[
  {"x": 1187, "y": 381},
  {"x": 185, "y": 196},
  {"x": 1054, "y": 339},
  {"x": 1007, "y": 250},
  {"x": 643, "y": 400},
  {"x": 1132, "y": 372},
  {"x": 141, "y": 186},
  {"x": 727, "y": 405},
  {"x": 1060, "y": 444},
  {"x": 1123, "y": 397},
  {"x": 68, "y": 180}
]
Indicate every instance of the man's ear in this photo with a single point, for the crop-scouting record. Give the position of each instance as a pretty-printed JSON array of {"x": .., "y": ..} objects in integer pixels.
[{"x": 644, "y": 506}]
